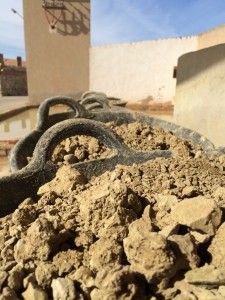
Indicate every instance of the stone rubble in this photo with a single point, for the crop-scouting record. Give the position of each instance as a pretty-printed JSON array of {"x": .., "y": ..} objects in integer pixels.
[{"x": 148, "y": 231}]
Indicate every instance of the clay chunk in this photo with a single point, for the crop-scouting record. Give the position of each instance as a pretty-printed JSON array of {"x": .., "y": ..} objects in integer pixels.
[
  {"x": 216, "y": 249},
  {"x": 198, "y": 213},
  {"x": 149, "y": 255}
]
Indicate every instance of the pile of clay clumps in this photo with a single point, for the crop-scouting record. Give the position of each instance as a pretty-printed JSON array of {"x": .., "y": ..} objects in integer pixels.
[{"x": 148, "y": 231}]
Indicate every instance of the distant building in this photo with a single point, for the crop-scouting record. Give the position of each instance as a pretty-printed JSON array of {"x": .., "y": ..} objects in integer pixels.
[
  {"x": 142, "y": 73},
  {"x": 13, "y": 77}
]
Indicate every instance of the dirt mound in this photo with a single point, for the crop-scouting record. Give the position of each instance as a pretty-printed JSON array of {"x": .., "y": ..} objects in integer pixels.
[{"x": 147, "y": 231}]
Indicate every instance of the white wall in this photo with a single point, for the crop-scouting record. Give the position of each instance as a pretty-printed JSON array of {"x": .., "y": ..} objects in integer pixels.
[{"x": 138, "y": 71}]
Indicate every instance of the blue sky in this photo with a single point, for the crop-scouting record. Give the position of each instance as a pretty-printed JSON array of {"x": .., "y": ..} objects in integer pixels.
[{"x": 124, "y": 21}]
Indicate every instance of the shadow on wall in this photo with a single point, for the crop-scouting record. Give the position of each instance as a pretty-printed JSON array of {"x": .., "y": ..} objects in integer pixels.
[
  {"x": 150, "y": 103},
  {"x": 145, "y": 102},
  {"x": 141, "y": 104},
  {"x": 200, "y": 93},
  {"x": 191, "y": 70},
  {"x": 75, "y": 20}
]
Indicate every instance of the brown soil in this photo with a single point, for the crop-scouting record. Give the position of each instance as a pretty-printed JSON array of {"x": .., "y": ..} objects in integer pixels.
[{"x": 148, "y": 231}]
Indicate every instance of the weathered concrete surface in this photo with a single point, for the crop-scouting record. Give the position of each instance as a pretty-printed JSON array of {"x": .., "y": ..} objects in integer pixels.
[{"x": 199, "y": 101}]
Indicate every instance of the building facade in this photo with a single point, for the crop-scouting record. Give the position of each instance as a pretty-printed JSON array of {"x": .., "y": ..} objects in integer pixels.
[
  {"x": 13, "y": 77},
  {"x": 57, "y": 42},
  {"x": 60, "y": 60}
]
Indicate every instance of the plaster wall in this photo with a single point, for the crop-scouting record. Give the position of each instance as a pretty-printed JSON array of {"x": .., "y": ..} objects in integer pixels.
[
  {"x": 200, "y": 94},
  {"x": 212, "y": 37},
  {"x": 57, "y": 63},
  {"x": 138, "y": 72}
]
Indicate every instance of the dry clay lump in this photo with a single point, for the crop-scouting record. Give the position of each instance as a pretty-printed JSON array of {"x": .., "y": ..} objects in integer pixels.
[{"x": 148, "y": 231}]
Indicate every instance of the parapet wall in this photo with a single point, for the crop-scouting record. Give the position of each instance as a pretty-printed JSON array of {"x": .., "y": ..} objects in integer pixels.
[
  {"x": 13, "y": 77},
  {"x": 13, "y": 81},
  {"x": 212, "y": 37},
  {"x": 141, "y": 72}
]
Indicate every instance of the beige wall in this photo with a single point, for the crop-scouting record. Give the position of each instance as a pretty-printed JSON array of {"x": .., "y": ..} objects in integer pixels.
[
  {"x": 212, "y": 37},
  {"x": 200, "y": 94},
  {"x": 57, "y": 63},
  {"x": 138, "y": 72}
]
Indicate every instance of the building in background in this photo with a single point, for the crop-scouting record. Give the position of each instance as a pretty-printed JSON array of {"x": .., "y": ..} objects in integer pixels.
[
  {"x": 57, "y": 42},
  {"x": 13, "y": 77},
  {"x": 60, "y": 60}
]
